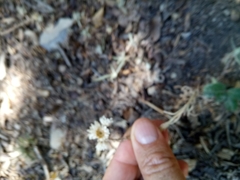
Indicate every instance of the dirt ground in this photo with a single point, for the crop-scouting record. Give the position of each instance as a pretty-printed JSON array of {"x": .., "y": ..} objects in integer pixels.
[{"x": 105, "y": 58}]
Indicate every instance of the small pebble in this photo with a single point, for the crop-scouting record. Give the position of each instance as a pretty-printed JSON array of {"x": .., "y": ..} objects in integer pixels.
[
  {"x": 44, "y": 93},
  {"x": 226, "y": 12},
  {"x": 48, "y": 119},
  {"x": 175, "y": 16},
  {"x": 151, "y": 90},
  {"x": 62, "y": 68},
  {"x": 79, "y": 81},
  {"x": 186, "y": 35},
  {"x": 17, "y": 126},
  {"x": 57, "y": 136},
  {"x": 173, "y": 75}
]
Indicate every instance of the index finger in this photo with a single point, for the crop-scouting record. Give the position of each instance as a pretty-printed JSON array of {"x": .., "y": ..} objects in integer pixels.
[{"x": 124, "y": 164}]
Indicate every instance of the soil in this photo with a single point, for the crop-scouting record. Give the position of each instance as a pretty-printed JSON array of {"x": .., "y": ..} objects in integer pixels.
[{"x": 47, "y": 106}]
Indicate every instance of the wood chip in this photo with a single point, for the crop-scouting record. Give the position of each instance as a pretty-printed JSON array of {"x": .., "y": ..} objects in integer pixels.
[
  {"x": 226, "y": 154},
  {"x": 156, "y": 26},
  {"x": 98, "y": 17}
]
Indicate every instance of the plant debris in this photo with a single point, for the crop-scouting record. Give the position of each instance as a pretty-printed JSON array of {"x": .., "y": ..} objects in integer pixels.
[{"x": 64, "y": 64}]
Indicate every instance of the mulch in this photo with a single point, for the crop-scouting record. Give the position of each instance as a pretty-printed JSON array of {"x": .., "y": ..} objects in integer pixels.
[{"x": 119, "y": 52}]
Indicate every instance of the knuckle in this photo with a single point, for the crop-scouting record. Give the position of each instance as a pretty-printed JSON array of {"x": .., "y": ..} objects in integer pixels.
[{"x": 157, "y": 162}]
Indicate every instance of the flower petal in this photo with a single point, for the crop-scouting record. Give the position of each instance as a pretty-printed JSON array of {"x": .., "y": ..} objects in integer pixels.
[
  {"x": 105, "y": 121},
  {"x": 101, "y": 146}
]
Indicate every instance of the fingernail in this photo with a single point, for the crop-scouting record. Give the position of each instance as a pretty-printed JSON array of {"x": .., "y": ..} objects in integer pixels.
[{"x": 145, "y": 132}]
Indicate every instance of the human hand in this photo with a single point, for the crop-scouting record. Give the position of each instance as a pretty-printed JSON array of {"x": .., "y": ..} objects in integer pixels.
[{"x": 147, "y": 155}]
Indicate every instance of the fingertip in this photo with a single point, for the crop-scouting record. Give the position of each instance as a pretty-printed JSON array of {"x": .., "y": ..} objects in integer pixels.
[{"x": 157, "y": 123}]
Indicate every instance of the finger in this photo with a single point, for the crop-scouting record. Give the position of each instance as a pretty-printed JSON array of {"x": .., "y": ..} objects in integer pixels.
[
  {"x": 184, "y": 167},
  {"x": 154, "y": 156},
  {"x": 124, "y": 164},
  {"x": 157, "y": 123}
]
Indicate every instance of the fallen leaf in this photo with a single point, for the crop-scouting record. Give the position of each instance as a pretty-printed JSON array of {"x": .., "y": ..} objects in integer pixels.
[
  {"x": 55, "y": 35},
  {"x": 98, "y": 17},
  {"x": 52, "y": 36}
]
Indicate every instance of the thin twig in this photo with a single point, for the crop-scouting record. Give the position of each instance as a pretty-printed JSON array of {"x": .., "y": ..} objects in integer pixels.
[
  {"x": 156, "y": 108},
  {"x": 114, "y": 74},
  {"x": 228, "y": 134},
  {"x": 175, "y": 116},
  {"x": 204, "y": 145},
  {"x": 64, "y": 56},
  {"x": 44, "y": 165},
  {"x": 13, "y": 28},
  {"x": 179, "y": 113}
]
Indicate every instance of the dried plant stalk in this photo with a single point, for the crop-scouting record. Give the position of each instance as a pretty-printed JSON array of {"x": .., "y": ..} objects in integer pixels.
[{"x": 173, "y": 117}]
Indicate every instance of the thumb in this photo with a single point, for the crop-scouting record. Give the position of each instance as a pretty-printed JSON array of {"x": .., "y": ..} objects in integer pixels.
[{"x": 155, "y": 158}]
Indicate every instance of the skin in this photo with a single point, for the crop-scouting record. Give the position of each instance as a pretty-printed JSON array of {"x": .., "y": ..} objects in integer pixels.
[{"x": 153, "y": 161}]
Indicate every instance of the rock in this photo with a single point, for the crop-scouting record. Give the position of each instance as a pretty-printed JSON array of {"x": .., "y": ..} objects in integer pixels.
[
  {"x": 173, "y": 75},
  {"x": 226, "y": 12},
  {"x": 191, "y": 164},
  {"x": 186, "y": 35},
  {"x": 48, "y": 119},
  {"x": 235, "y": 15},
  {"x": 62, "y": 68},
  {"x": 79, "y": 81},
  {"x": 17, "y": 126},
  {"x": 86, "y": 168},
  {"x": 152, "y": 90},
  {"x": 42, "y": 92},
  {"x": 57, "y": 136}
]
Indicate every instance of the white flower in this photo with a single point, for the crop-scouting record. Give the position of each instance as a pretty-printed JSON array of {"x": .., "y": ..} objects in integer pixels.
[
  {"x": 98, "y": 131},
  {"x": 105, "y": 121},
  {"x": 101, "y": 146}
]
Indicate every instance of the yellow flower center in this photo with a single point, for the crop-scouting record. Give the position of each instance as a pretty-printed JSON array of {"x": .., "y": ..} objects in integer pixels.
[{"x": 99, "y": 133}]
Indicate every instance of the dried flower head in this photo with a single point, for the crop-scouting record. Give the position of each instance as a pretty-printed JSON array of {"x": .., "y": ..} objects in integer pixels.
[{"x": 98, "y": 132}]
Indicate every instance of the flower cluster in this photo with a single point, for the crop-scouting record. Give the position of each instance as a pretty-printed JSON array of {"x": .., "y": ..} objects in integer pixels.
[{"x": 100, "y": 132}]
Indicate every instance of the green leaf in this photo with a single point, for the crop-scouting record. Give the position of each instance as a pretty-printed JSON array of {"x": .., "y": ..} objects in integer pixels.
[
  {"x": 231, "y": 104},
  {"x": 216, "y": 90},
  {"x": 234, "y": 93},
  {"x": 233, "y": 98}
]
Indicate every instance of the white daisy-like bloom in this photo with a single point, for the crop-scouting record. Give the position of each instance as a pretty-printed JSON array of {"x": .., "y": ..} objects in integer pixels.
[
  {"x": 101, "y": 146},
  {"x": 98, "y": 131},
  {"x": 105, "y": 121}
]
